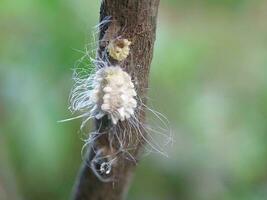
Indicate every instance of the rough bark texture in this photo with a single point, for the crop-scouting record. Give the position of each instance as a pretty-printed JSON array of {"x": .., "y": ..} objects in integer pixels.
[{"x": 134, "y": 20}]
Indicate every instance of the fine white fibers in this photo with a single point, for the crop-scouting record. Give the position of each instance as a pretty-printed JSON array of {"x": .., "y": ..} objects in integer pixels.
[
  {"x": 119, "y": 49},
  {"x": 113, "y": 94}
]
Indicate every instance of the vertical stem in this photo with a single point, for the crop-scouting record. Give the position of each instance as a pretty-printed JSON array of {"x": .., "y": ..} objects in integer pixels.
[{"x": 134, "y": 20}]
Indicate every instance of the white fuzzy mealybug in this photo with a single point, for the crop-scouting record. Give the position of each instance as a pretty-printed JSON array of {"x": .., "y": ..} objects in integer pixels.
[
  {"x": 113, "y": 94},
  {"x": 108, "y": 91},
  {"x": 119, "y": 49}
]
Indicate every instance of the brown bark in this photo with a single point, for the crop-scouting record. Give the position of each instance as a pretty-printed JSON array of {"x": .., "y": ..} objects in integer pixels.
[{"x": 134, "y": 20}]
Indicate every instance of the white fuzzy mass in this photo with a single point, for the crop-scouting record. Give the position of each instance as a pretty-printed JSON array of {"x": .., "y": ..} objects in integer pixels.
[{"x": 113, "y": 94}]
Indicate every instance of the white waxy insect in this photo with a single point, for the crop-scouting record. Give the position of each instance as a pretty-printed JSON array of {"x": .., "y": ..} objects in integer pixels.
[{"x": 113, "y": 94}]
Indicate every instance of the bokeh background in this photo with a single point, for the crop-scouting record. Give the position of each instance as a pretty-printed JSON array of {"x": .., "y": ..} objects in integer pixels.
[{"x": 209, "y": 77}]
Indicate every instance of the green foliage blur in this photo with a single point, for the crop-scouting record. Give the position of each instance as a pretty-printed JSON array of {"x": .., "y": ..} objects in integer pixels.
[{"x": 209, "y": 77}]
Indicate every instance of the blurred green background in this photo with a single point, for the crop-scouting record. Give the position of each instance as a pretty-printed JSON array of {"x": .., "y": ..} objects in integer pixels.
[{"x": 209, "y": 77}]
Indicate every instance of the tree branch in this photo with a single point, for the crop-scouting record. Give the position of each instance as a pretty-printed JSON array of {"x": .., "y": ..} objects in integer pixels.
[{"x": 134, "y": 20}]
